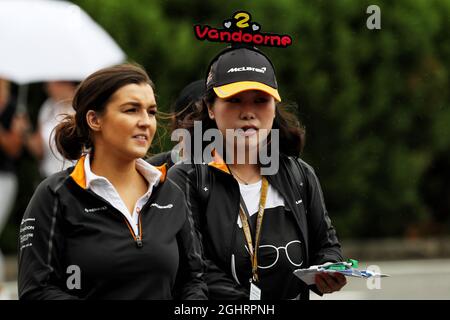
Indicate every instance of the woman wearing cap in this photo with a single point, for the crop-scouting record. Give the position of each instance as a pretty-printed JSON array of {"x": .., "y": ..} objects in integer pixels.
[
  {"x": 112, "y": 227},
  {"x": 256, "y": 228}
]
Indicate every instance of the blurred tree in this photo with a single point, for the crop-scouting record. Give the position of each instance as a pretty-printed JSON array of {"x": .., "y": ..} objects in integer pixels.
[{"x": 375, "y": 102}]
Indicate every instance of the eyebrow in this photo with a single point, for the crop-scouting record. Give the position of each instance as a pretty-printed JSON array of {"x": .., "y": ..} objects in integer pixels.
[{"x": 138, "y": 104}]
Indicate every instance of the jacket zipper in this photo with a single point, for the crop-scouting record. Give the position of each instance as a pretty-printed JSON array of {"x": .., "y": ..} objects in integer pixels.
[
  {"x": 137, "y": 238},
  {"x": 233, "y": 234}
]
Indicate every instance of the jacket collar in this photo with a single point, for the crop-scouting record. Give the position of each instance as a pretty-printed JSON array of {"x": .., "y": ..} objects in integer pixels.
[
  {"x": 79, "y": 174},
  {"x": 219, "y": 163}
]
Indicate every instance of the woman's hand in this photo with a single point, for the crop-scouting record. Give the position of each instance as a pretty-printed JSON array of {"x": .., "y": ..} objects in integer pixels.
[{"x": 330, "y": 282}]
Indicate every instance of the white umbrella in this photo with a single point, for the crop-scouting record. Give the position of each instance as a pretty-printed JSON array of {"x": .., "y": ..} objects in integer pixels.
[{"x": 43, "y": 40}]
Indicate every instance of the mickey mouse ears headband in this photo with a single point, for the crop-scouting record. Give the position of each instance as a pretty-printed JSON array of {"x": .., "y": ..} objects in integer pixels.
[
  {"x": 241, "y": 67},
  {"x": 241, "y": 30}
]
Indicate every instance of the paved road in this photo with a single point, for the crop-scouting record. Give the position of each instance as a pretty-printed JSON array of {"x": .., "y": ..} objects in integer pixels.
[{"x": 409, "y": 280}]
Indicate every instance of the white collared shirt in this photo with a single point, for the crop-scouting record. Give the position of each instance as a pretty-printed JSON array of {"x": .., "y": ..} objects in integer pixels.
[{"x": 103, "y": 188}]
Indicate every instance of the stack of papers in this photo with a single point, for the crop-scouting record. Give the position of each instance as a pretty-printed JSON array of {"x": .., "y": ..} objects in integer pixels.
[{"x": 308, "y": 275}]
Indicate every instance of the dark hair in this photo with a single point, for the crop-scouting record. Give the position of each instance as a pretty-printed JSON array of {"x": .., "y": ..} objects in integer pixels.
[
  {"x": 185, "y": 102},
  {"x": 73, "y": 134},
  {"x": 292, "y": 133}
]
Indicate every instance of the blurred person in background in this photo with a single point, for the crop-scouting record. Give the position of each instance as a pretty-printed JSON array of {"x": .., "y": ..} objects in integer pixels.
[
  {"x": 184, "y": 105},
  {"x": 12, "y": 129},
  {"x": 41, "y": 144}
]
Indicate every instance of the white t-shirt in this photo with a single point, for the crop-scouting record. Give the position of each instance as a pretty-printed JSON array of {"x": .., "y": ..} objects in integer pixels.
[
  {"x": 251, "y": 194},
  {"x": 280, "y": 250}
]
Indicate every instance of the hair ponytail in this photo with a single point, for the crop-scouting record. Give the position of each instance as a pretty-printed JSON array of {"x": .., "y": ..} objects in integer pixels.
[{"x": 68, "y": 140}]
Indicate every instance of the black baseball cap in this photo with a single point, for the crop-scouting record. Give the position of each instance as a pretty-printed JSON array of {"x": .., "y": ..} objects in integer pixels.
[{"x": 240, "y": 69}]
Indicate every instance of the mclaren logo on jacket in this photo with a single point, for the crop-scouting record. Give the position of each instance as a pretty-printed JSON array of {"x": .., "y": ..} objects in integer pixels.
[{"x": 168, "y": 206}]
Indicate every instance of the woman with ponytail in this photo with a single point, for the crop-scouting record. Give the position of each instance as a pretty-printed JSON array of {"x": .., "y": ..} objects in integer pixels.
[{"x": 112, "y": 226}]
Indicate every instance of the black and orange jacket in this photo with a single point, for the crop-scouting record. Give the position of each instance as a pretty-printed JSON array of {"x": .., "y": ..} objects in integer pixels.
[
  {"x": 216, "y": 220},
  {"x": 73, "y": 244}
]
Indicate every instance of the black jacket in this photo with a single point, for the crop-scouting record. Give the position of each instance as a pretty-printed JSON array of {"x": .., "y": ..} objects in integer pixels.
[
  {"x": 68, "y": 231},
  {"x": 163, "y": 158},
  {"x": 217, "y": 218}
]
